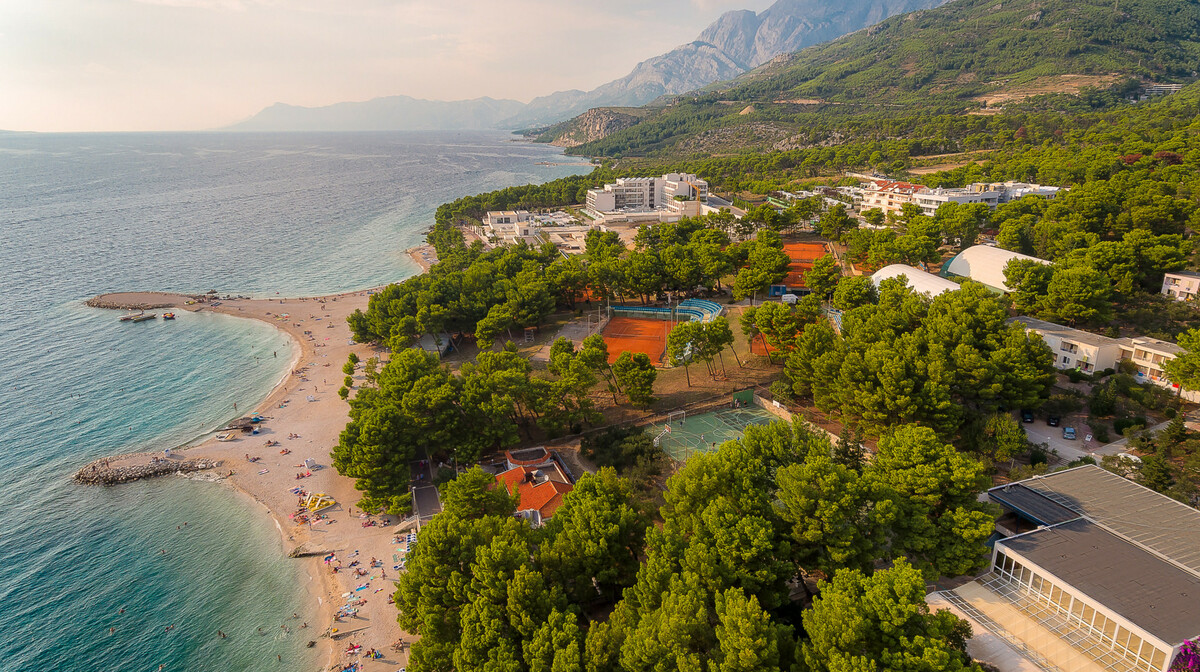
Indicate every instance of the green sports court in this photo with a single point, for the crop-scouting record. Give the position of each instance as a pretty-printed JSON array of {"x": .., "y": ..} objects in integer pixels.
[{"x": 703, "y": 432}]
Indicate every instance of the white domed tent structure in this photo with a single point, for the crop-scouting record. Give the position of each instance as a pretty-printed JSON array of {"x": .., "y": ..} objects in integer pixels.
[
  {"x": 920, "y": 281},
  {"x": 985, "y": 264}
]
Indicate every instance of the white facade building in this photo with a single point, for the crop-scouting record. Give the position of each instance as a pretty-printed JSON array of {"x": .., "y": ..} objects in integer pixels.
[
  {"x": 990, "y": 194},
  {"x": 646, "y": 193},
  {"x": 1074, "y": 348},
  {"x": 665, "y": 198},
  {"x": 888, "y": 195},
  {"x": 1149, "y": 355},
  {"x": 931, "y": 199},
  {"x": 1181, "y": 285},
  {"x": 510, "y": 225}
]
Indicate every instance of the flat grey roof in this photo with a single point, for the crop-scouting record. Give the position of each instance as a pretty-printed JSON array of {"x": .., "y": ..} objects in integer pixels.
[
  {"x": 1147, "y": 343},
  {"x": 1161, "y": 524},
  {"x": 1149, "y": 592},
  {"x": 1064, "y": 332},
  {"x": 1031, "y": 504}
]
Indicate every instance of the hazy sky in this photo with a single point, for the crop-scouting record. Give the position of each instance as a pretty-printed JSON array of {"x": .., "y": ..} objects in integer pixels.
[{"x": 91, "y": 65}]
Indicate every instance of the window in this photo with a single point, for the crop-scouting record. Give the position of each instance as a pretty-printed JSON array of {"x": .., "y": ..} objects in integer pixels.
[
  {"x": 1064, "y": 600},
  {"x": 1066, "y": 360}
]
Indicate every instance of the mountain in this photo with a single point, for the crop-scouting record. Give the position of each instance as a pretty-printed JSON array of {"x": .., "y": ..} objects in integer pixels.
[
  {"x": 964, "y": 56},
  {"x": 736, "y": 42},
  {"x": 972, "y": 50},
  {"x": 393, "y": 113}
]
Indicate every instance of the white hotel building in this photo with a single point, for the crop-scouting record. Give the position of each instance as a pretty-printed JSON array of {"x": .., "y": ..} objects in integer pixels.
[{"x": 633, "y": 196}]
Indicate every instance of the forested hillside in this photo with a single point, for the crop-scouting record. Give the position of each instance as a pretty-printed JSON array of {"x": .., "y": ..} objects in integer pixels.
[{"x": 967, "y": 55}]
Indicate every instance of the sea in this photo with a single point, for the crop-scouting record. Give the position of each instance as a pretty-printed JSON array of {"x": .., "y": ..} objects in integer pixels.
[{"x": 289, "y": 214}]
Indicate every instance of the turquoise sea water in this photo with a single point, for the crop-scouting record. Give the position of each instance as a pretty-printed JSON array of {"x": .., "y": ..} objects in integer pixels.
[{"x": 297, "y": 214}]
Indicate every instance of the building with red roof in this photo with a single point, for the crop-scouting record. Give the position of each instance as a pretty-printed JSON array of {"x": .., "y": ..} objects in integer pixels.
[
  {"x": 888, "y": 195},
  {"x": 540, "y": 488}
]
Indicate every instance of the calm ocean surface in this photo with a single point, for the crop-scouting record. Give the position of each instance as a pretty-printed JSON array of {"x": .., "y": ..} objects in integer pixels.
[{"x": 297, "y": 214}]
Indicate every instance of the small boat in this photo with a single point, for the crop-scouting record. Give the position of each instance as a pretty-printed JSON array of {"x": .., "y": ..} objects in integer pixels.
[
  {"x": 168, "y": 316},
  {"x": 226, "y": 437},
  {"x": 143, "y": 317},
  {"x": 129, "y": 316}
]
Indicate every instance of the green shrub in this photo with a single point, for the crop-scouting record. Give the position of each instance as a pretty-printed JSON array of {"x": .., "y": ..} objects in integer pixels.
[
  {"x": 1063, "y": 404},
  {"x": 1099, "y": 431},
  {"x": 1126, "y": 423},
  {"x": 353, "y": 358},
  {"x": 781, "y": 390},
  {"x": 1170, "y": 412},
  {"x": 348, "y": 381},
  {"x": 1037, "y": 456},
  {"x": 344, "y": 392},
  {"x": 348, "y": 369},
  {"x": 1103, "y": 401}
]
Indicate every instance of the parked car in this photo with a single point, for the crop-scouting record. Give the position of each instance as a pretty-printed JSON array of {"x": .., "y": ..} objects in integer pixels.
[
  {"x": 1026, "y": 415},
  {"x": 1069, "y": 433},
  {"x": 1053, "y": 420}
]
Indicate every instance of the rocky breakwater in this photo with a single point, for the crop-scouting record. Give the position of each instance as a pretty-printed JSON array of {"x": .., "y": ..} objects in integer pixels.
[
  {"x": 140, "y": 300},
  {"x": 101, "y": 472}
]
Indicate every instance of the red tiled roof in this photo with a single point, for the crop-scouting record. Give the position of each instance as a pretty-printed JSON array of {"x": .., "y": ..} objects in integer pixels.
[{"x": 545, "y": 497}]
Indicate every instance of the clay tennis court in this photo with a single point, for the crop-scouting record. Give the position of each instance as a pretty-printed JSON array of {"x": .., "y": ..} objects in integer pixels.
[
  {"x": 802, "y": 255},
  {"x": 636, "y": 334},
  {"x": 758, "y": 347}
]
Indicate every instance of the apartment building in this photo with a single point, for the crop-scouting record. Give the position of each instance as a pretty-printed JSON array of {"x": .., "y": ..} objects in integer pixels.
[
  {"x": 510, "y": 225},
  {"x": 1181, "y": 285},
  {"x": 930, "y": 200},
  {"x": 1149, "y": 355},
  {"x": 888, "y": 195},
  {"x": 990, "y": 194},
  {"x": 1074, "y": 348},
  {"x": 646, "y": 193}
]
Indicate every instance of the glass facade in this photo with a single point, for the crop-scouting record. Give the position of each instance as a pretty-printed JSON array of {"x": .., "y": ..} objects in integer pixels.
[{"x": 1106, "y": 641}]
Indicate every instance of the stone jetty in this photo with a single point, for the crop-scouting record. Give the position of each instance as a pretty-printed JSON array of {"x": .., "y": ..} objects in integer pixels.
[
  {"x": 99, "y": 473},
  {"x": 140, "y": 300}
]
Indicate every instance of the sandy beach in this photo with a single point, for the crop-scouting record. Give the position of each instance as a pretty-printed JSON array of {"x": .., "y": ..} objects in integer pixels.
[{"x": 305, "y": 406}]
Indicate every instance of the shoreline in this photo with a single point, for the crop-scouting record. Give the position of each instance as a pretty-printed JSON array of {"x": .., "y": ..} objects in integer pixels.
[{"x": 304, "y": 403}]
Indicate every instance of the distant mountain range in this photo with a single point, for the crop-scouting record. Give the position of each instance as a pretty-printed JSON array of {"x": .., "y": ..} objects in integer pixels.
[
  {"x": 393, "y": 113},
  {"x": 976, "y": 56},
  {"x": 733, "y": 44},
  {"x": 736, "y": 42}
]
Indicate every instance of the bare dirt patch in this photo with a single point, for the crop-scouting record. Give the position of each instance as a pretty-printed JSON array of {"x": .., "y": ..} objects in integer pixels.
[{"x": 1070, "y": 84}]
